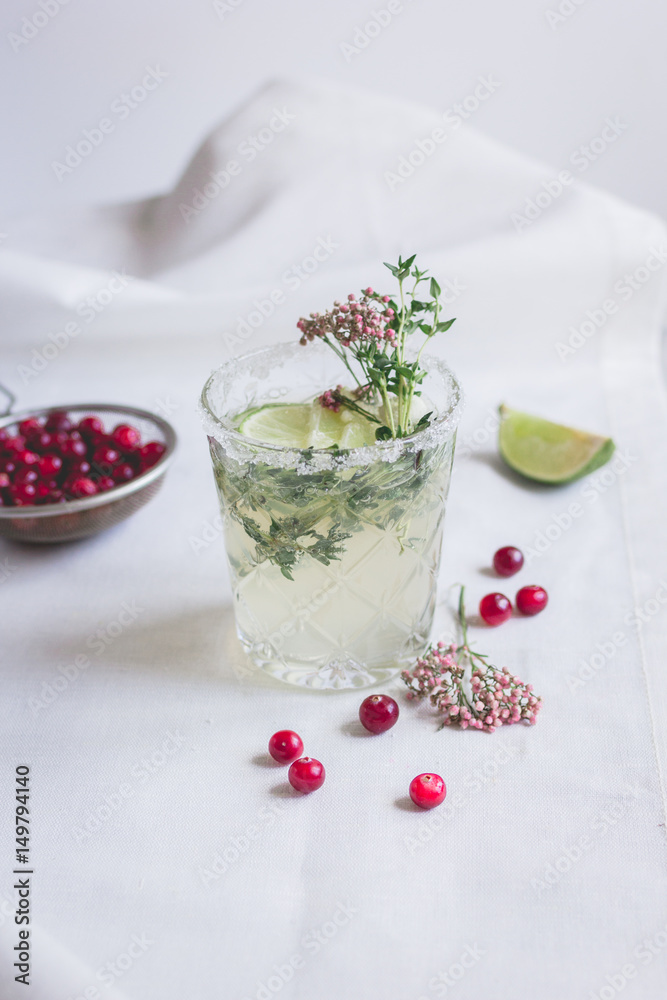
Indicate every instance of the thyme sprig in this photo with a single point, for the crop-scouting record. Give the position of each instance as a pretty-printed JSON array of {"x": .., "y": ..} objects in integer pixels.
[{"x": 287, "y": 540}]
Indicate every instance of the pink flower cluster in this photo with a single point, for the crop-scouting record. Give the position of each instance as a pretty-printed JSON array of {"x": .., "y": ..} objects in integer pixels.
[
  {"x": 333, "y": 399},
  {"x": 330, "y": 399},
  {"x": 498, "y": 698},
  {"x": 368, "y": 318}
]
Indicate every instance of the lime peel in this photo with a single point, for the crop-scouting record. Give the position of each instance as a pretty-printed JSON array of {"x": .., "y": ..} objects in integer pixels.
[
  {"x": 550, "y": 453},
  {"x": 306, "y": 425}
]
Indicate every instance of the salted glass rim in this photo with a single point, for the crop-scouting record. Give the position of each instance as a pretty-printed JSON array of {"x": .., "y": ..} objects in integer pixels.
[{"x": 244, "y": 448}]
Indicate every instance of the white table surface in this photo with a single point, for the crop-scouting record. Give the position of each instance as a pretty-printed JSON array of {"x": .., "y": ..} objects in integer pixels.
[{"x": 374, "y": 899}]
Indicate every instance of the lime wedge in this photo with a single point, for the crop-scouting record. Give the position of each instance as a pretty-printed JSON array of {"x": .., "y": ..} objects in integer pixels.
[
  {"x": 306, "y": 425},
  {"x": 548, "y": 452}
]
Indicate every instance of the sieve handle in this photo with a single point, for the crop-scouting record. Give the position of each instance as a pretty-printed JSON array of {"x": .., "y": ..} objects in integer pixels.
[{"x": 11, "y": 399}]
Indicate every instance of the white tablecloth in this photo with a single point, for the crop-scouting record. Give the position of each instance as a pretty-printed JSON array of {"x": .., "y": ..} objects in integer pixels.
[{"x": 169, "y": 860}]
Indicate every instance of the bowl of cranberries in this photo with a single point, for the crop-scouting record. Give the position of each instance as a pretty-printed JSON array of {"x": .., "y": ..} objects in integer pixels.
[{"x": 66, "y": 473}]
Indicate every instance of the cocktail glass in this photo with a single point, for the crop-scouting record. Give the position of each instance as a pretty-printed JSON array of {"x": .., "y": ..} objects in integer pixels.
[{"x": 333, "y": 554}]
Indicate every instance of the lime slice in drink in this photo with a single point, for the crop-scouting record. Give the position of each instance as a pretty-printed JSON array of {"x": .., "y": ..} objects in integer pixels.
[
  {"x": 548, "y": 452},
  {"x": 306, "y": 425}
]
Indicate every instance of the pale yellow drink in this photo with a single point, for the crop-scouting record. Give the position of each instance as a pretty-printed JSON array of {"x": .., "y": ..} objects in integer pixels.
[{"x": 333, "y": 553}]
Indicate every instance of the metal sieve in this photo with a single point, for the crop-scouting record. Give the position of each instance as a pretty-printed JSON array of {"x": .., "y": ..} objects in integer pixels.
[{"x": 64, "y": 522}]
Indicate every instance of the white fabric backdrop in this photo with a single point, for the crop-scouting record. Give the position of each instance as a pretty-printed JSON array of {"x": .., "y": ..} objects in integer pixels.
[{"x": 546, "y": 866}]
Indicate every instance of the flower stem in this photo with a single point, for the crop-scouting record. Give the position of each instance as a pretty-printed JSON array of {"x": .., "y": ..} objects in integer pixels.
[
  {"x": 351, "y": 405},
  {"x": 343, "y": 357},
  {"x": 401, "y": 326},
  {"x": 387, "y": 408},
  {"x": 401, "y": 356}
]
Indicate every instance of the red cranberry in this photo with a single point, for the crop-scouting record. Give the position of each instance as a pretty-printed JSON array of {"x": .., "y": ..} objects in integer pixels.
[
  {"x": 125, "y": 436},
  {"x": 27, "y": 457},
  {"x": 7, "y": 465},
  {"x": 25, "y": 474},
  {"x": 58, "y": 421},
  {"x": 427, "y": 790},
  {"x": 23, "y": 494},
  {"x": 285, "y": 746},
  {"x": 82, "y": 487},
  {"x": 74, "y": 447},
  {"x": 508, "y": 561},
  {"x": 378, "y": 713},
  {"x": 495, "y": 609},
  {"x": 4, "y": 480},
  {"x": 306, "y": 774},
  {"x": 531, "y": 600},
  {"x": 50, "y": 465},
  {"x": 151, "y": 453},
  {"x": 105, "y": 483},
  {"x": 105, "y": 456},
  {"x": 40, "y": 442},
  {"x": 123, "y": 472},
  {"x": 91, "y": 427},
  {"x": 77, "y": 468},
  {"x": 43, "y": 493},
  {"x": 31, "y": 425},
  {"x": 15, "y": 443},
  {"x": 95, "y": 441}
]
